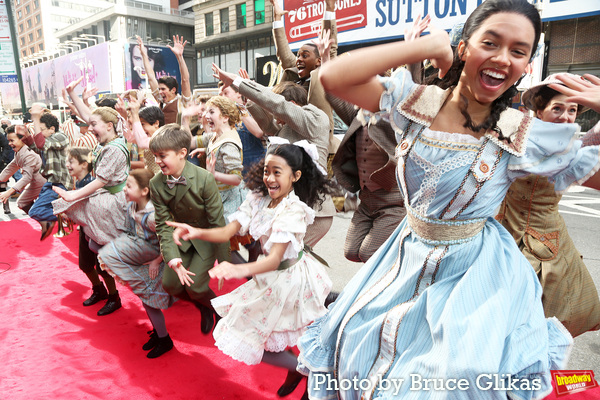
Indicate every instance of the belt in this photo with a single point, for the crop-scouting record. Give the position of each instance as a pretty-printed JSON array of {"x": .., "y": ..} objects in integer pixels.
[{"x": 443, "y": 231}]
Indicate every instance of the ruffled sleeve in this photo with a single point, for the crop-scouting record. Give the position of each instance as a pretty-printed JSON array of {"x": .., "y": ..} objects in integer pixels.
[
  {"x": 553, "y": 151},
  {"x": 243, "y": 215},
  {"x": 289, "y": 224}
]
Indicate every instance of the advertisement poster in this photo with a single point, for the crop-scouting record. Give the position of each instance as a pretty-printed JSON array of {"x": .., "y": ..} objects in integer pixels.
[
  {"x": 375, "y": 20},
  {"x": 44, "y": 82},
  {"x": 162, "y": 59}
]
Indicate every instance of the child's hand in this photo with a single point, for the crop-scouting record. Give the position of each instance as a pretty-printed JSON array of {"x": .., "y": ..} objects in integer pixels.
[
  {"x": 4, "y": 197},
  {"x": 198, "y": 152},
  {"x": 153, "y": 268},
  {"x": 65, "y": 194},
  {"x": 184, "y": 275},
  {"x": 227, "y": 270},
  {"x": 184, "y": 232}
]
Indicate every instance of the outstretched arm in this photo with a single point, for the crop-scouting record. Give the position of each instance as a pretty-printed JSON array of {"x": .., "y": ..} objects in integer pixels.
[
  {"x": 177, "y": 49},
  {"x": 83, "y": 110},
  {"x": 215, "y": 235},
  {"x": 147, "y": 66},
  {"x": 282, "y": 48},
  {"x": 353, "y": 77}
]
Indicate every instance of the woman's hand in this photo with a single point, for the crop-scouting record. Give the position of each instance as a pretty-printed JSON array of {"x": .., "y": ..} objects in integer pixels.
[
  {"x": 66, "y": 195},
  {"x": 227, "y": 270},
  {"x": 583, "y": 90},
  {"x": 185, "y": 276},
  {"x": 210, "y": 163},
  {"x": 184, "y": 232},
  {"x": 443, "y": 61},
  {"x": 417, "y": 28}
]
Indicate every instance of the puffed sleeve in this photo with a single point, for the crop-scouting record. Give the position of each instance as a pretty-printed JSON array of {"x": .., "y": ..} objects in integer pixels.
[
  {"x": 232, "y": 159},
  {"x": 243, "y": 215},
  {"x": 290, "y": 221},
  {"x": 554, "y": 151}
]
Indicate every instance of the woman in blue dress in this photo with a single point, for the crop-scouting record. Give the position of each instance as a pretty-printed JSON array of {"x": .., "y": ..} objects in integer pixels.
[{"x": 448, "y": 307}]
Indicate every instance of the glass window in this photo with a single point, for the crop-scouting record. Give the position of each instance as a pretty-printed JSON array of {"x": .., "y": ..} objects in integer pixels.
[
  {"x": 240, "y": 15},
  {"x": 20, "y": 14},
  {"x": 27, "y": 9},
  {"x": 36, "y": 4},
  {"x": 22, "y": 41},
  {"x": 39, "y": 33},
  {"x": 259, "y": 12},
  {"x": 41, "y": 47},
  {"x": 209, "y": 29},
  {"x": 224, "y": 14},
  {"x": 37, "y": 19},
  {"x": 31, "y": 50},
  {"x": 31, "y": 37},
  {"x": 28, "y": 23},
  {"x": 20, "y": 28}
]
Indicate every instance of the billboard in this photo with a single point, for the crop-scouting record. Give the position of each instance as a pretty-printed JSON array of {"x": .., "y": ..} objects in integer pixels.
[
  {"x": 162, "y": 59},
  {"x": 376, "y": 20}
]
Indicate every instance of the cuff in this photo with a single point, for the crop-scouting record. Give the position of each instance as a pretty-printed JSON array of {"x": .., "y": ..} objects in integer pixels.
[
  {"x": 237, "y": 82},
  {"x": 277, "y": 24},
  {"x": 328, "y": 16},
  {"x": 174, "y": 262}
]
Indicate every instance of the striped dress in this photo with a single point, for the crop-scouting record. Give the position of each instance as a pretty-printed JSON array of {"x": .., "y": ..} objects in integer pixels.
[{"x": 448, "y": 296}]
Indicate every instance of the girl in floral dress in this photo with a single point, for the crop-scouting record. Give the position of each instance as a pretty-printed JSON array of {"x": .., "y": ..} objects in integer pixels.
[{"x": 266, "y": 315}]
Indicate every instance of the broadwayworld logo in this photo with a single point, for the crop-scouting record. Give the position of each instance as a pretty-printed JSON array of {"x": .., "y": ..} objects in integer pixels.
[{"x": 568, "y": 382}]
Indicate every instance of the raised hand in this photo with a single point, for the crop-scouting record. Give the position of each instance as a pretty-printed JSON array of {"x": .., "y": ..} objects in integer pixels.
[
  {"x": 243, "y": 74},
  {"x": 140, "y": 44},
  {"x": 87, "y": 93},
  {"x": 71, "y": 86},
  {"x": 210, "y": 163},
  {"x": 185, "y": 276},
  {"x": 581, "y": 90},
  {"x": 278, "y": 12},
  {"x": 443, "y": 61},
  {"x": 226, "y": 77},
  {"x": 417, "y": 28},
  {"x": 178, "y": 45},
  {"x": 323, "y": 43}
]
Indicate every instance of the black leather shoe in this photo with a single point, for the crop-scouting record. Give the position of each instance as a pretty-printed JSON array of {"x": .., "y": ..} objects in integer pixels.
[
  {"x": 207, "y": 320},
  {"x": 152, "y": 342},
  {"x": 163, "y": 344},
  {"x": 112, "y": 304},
  {"x": 47, "y": 227},
  {"x": 98, "y": 293},
  {"x": 292, "y": 380}
]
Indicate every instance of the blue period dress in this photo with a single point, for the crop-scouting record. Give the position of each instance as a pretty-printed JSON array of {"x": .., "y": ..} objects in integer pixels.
[{"x": 449, "y": 295}]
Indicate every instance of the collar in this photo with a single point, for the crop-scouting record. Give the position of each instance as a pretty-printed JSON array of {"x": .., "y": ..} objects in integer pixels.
[{"x": 425, "y": 101}]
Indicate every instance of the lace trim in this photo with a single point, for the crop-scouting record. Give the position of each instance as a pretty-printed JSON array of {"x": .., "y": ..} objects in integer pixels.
[{"x": 433, "y": 174}]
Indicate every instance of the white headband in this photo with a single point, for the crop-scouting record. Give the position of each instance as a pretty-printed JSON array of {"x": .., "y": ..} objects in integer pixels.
[{"x": 310, "y": 149}]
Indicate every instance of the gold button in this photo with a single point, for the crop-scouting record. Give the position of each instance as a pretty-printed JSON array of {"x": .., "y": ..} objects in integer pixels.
[{"x": 484, "y": 167}]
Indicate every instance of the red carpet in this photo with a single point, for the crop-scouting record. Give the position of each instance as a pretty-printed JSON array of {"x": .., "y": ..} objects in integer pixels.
[{"x": 53, "y": 347}]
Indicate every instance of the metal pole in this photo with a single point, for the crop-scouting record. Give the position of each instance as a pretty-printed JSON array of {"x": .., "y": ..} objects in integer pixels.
[{"x": 13, "y": 37}]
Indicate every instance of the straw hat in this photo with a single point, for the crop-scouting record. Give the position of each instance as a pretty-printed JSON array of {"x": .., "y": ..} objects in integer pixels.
[{"x": 529, "y": 95}]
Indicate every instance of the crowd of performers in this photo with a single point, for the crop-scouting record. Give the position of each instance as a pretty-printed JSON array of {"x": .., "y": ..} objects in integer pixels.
[{"x": 468, "y": 266}]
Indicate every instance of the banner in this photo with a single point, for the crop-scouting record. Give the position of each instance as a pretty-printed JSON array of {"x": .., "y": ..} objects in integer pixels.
[
  {"x": 162, "y": 59},
  {"x": 377, "y": 20},
  {"x": 44, "y": 82}
]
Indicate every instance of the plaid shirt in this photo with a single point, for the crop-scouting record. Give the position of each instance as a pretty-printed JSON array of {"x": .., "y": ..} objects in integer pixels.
[{"x": 54, "y": 155}]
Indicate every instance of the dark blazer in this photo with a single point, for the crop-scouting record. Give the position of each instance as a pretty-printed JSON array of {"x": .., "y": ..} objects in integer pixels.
[
  {"x": 198, "y": 204},
  {"x": 344, "y": 165}
]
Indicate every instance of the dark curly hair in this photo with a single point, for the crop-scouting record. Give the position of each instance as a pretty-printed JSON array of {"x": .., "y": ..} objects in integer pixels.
[
  {"x": 312, "y": 184},
  {"x": 477, "y": 17}
]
